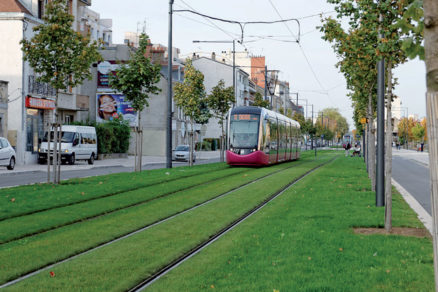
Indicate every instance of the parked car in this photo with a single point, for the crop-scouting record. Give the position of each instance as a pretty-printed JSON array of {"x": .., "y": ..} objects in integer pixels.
[
  {"x": 77, "y": 143},
  {"x": 7, "y": 154},
  {"x": 182, "y": 152}
]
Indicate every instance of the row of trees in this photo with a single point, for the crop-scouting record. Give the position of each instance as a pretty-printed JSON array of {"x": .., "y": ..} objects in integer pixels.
[
  {"x": 410, "y": 129},
  {"x": 402, "y": 25},
  {"x": 373, "y": 33}
]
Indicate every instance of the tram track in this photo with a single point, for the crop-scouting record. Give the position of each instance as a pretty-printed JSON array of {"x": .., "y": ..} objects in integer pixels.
[
  {"x": 175, "y": 263},
  {"x": 49, "y": 265},
  {"x": 138, "y": 203},
  {"x": 104, "y": 196}
]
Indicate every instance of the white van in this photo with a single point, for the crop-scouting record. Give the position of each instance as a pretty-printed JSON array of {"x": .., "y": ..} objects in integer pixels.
[{"x": 77, "y": 143}]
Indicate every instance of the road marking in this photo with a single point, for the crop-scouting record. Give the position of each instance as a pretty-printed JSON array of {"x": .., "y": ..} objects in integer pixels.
[{"x": 422, "y": 214}]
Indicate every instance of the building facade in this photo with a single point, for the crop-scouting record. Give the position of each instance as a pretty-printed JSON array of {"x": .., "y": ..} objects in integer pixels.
[{"x": 31, "y": 103}]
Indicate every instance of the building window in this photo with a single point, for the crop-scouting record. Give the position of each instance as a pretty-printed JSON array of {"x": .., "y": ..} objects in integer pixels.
[{"x": 40, "y": 9}]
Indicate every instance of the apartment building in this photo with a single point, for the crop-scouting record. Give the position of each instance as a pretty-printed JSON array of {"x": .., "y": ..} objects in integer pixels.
[{"x": 31, "y": 103}]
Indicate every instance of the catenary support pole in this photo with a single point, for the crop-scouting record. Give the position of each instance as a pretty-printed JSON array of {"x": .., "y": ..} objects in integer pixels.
[
  {"x": 380, "y": 169},
  {"x": 169, "y": 93},
  {"x": 234, "y": 72},
  {"x": 266, "y": 84}
]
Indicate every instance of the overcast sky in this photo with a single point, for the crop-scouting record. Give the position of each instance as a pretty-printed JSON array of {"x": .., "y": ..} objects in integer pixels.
[{"x": 308, "y": 66}]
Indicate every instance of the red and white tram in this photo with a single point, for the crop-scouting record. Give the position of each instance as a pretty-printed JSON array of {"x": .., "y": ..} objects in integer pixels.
[{"x": 257, "y": 136}]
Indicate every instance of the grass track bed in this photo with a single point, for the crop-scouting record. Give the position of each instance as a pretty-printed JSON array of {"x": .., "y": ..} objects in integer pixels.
[
  {"x": 303, "y": 241},
  {"x": 26, "y": 255},
  {"x": 22, "y": 226},
  {"x": 124, "y": 263},
  {"x": 34, "y": 198}
]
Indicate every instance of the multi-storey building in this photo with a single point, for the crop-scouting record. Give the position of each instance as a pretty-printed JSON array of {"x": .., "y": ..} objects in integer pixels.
[
  {"x": 215, "y": 70},
  {"x": 31, "y": 103}
]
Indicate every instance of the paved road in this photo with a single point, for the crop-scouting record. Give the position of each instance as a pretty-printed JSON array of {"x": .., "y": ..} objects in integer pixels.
[
  {"x": 31, "y": 177},
  {"x": 413, "y": 176}
]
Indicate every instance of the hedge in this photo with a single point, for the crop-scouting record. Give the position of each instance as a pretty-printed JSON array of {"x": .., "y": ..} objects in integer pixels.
[{"x": 112, "y": 136}]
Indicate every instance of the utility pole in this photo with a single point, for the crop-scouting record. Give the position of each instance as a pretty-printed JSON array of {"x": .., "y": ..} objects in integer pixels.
[
  {"x": 169, "y": 93},
  {"x": 266, "y": 84},
  {"x": 380, "y": 171},
  {"x": 234, "y": 72}
]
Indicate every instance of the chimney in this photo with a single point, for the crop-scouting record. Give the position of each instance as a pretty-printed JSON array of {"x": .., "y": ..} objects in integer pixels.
[{"x": 213, "y": 56}]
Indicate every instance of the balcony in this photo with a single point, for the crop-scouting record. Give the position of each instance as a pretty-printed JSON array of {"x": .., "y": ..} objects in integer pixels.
[{"x": 40, "y": 88}]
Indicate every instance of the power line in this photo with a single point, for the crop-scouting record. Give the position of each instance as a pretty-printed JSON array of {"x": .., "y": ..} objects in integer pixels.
[
  {"x": 241, "y": 24},
  {"x": 285, "y": 24},
  {"x": 214, "y": 24},
  {"x": 302, "y": 51}
]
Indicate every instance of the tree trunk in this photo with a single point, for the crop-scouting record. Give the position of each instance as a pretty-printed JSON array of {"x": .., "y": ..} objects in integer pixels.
[
  {"x": 431, "y": 49},
  {"x": 138, "y": 144},
  {"x": 371, "y": 146},
  {"x": 191, "y": 143},
  {"x": 388, "y": 154},
  {"x": 55, "y": 156},
  {"x": 58, "y": 176},
  {"x": 49, "y": 140},
  {"x": 222, "y": 143}
]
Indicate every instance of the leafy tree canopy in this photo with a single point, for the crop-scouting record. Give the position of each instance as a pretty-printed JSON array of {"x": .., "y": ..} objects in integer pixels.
[
  {"x": 59, "y": 55},
  {"x": 138, "y": 78}
]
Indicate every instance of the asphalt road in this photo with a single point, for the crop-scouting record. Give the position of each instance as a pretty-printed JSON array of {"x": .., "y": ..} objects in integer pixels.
[
  {"x": 414, "y": 177},
  {"x": 32, "y": 177}
]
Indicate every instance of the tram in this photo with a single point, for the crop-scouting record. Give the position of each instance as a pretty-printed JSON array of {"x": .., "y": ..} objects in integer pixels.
[{"x": 257, "y": 136}]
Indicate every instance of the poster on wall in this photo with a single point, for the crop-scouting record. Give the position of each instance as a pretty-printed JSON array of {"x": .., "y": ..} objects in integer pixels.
[
  {"x": 111, "y": 106},
  {"x": 104, "y": 69}
]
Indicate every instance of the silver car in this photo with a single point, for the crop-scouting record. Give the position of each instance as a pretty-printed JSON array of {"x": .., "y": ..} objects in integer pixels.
[
  {"x": 7, "y": 154},
  {"x": 182, "y": 152}
]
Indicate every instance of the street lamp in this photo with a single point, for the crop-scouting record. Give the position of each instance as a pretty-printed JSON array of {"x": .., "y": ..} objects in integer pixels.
[{"x": 234, "y": 59}]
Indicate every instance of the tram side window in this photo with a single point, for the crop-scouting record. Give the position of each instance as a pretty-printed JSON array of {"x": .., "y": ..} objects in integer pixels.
[
  {"x": 283, "y": 136},
  {"x": 274, "y": 134},
  {"x": 267, "y": 133}
]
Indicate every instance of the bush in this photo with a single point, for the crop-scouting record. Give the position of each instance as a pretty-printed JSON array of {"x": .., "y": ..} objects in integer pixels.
[
  {"x": 206, "y": 146},
  {"x": 112, "y": 136}
]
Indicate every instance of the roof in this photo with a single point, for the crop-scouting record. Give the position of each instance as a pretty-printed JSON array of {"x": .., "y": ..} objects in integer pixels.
[{"x": 13, "y": 6}]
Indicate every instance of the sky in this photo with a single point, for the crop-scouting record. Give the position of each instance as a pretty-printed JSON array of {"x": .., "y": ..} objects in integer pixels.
[{"x": 309, "y": 66}]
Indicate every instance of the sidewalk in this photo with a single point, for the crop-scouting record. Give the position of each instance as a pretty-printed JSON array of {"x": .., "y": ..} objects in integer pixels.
[
  {"x": 119, "y": 162},
  {"x": 421, "y": 157}
]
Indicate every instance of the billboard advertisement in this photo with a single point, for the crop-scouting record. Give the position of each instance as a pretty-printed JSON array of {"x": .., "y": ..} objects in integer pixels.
[{"x": 111, "y": 106}]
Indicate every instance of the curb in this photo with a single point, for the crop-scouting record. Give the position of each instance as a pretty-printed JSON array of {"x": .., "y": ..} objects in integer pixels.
[{"x": 422, "y": 214}]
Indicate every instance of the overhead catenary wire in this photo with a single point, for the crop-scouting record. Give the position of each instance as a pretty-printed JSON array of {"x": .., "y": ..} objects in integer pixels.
[
  {"x": 303, "y": 53},
  {"x": 241, "y": 24}
]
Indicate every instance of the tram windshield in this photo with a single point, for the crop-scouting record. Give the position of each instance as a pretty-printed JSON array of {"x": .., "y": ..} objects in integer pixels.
[{"x": 244, "y": 130}]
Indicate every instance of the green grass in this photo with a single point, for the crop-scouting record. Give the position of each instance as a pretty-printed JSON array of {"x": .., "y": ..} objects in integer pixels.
[
  {"x": 25, "y": 255},
  {"x": 303, "y": 241},
  {"x": 120, "y": 265},
  {"x": 21, "y": 200},
  {"x": 21, "y": 226}
]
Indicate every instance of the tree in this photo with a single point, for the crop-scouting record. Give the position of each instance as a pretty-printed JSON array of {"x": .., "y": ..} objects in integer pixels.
[
  {"x": 188, "y": 96},
  {"x": 220, "y": 101},
  {"x": 60, "y": 57},
  {"x": 418, "y": 132},
  {"x": 136, "y": 80},
  {"x": 260, "y": 102},
  {"x": 376, "y": 27}
]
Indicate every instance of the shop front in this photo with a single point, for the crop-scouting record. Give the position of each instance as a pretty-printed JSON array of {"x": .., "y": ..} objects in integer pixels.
[{"x": 36, "y": 111}]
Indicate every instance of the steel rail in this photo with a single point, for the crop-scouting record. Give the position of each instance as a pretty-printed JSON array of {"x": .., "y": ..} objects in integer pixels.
[
  {"x": 131, "y": 233},
  {"x": 166, "y": 269},
  {"x": 104, "y": 196},
  {"x": 92, "y": 217}
]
